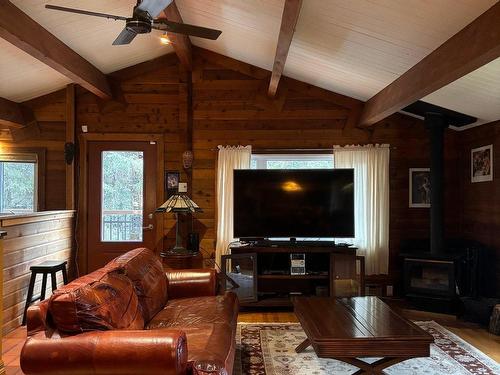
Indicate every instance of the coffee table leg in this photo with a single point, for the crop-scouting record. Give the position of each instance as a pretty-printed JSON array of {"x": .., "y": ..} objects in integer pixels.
[
  {"x": 372, "y": 368},
  {"x": 302, "y": 346}
]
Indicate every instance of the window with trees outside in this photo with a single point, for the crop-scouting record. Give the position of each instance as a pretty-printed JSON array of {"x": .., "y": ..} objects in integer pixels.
[
  {"x": 18, "y": 183},
  {"x": 292, "y": 161},
  {"x": 122, "y": 196}
]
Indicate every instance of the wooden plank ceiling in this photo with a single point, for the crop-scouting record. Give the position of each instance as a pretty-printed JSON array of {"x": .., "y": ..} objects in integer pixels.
[{"x": 355, "y": 48}]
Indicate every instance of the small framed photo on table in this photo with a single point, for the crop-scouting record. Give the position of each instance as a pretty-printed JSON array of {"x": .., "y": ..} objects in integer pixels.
[
  {"x": 171, "y": 182},
  {"x": 481, "y": 164},
  {"x": 420, "y": 187}
]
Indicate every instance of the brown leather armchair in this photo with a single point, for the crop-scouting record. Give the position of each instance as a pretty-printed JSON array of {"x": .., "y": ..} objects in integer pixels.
[{"x": 131, "y": 317}]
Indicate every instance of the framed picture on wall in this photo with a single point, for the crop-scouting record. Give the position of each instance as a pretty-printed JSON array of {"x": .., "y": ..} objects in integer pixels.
[
  {"x": 420, "y": 187},
  {"x": 171, "y": 182},
  {"x": 481, "y": 164}
]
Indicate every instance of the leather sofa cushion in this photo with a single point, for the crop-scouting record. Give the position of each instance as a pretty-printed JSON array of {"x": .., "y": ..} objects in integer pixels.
[
  {"x": 101, "y": 300},
  {"x": 190, "y": 312},
  {"x": 146, "y": 272},
  {"x": 211, "y": 342}
]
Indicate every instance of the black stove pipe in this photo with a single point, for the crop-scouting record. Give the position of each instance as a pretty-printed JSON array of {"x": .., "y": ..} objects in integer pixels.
[{"x": 436, "y": 123}]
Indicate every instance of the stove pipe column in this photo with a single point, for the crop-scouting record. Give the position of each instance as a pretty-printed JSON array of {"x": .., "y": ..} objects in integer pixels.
[{"x": 436, "y": 123}]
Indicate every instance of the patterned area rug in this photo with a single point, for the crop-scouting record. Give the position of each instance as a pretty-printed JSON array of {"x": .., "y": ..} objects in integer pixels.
[{"x": 269, "y": 349}]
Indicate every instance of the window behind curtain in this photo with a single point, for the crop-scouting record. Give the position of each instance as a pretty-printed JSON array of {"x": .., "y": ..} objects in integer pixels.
[
  {"x": 292, "y": 161},
  {"x": 18, "y": 183}
]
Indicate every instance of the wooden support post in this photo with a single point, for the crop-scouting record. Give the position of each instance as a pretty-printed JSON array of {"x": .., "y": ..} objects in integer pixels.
[
  {"x": 2, "y": 235},
  {"x": 70, "y": 145}
]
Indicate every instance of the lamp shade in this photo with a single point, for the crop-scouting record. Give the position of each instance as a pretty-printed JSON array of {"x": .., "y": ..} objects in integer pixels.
[{"x": 179, "y": 202}]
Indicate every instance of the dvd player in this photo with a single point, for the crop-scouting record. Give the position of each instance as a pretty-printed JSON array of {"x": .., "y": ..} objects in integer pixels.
[{"x": 290, "y": 243}]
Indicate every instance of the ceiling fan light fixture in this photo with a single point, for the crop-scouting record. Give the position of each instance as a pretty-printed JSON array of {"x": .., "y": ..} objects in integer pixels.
[{"x": 164, "y": 39}]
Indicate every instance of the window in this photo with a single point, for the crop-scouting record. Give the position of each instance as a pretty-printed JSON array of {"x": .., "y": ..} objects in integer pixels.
[
  {"x": 122, "y": 196},
  {"x": 18, "y": 183},
  {"x": 291, "y": 161}
]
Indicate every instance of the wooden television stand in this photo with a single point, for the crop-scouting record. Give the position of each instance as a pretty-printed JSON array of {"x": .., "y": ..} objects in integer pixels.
[{"x": 328, "y": 268}]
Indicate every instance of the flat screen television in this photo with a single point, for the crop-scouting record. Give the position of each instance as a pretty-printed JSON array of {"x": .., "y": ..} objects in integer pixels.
[{"x": 307, "y": 203}]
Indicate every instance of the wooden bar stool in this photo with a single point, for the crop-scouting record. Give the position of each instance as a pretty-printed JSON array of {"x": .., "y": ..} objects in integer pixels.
[{"x": 48, "y": 267}]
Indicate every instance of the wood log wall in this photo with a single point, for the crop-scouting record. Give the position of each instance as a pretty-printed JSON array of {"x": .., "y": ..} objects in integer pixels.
[
  {"x": 50, "y": 113},
  {"x": 480, "y": 208},
  {"x": 230, "y": 106},
  {"x": 31, "y": 241}
]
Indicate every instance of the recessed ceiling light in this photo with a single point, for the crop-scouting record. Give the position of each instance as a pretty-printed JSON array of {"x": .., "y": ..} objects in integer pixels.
[{"x": 164, "y": 39}]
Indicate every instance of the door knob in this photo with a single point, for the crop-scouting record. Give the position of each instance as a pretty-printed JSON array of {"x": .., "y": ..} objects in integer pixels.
[{"x": 149, "y": 227}]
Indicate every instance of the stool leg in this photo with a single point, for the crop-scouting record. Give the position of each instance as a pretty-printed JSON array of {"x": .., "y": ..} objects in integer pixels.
[
  {"x": 44, "y": 286},
  {"x": 53, "y": 280},
  {"x": 65, "y": 275},
  {"x": 29, "y": 296}
]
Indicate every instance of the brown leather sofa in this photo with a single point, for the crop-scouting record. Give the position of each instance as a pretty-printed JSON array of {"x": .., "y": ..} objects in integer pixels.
[{"x": 132, "y": 317}]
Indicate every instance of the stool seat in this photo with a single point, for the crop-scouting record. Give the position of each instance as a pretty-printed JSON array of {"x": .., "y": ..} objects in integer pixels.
[{"x": 49, "y": 267}]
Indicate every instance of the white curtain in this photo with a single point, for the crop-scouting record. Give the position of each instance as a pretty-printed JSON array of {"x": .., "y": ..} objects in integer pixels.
[
  {"x": 371, "y": 201},
  {"x": 229, "y": 159}
]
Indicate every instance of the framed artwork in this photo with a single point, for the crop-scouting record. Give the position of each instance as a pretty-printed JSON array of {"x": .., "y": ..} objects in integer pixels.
[
  {"x": 481, "y": 164},
  {"x": 171, "y": 182},
  {"x": 420, "y": 187}
]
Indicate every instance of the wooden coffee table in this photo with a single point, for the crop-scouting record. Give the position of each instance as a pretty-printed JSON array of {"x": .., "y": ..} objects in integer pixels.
[{"x": 350, "y": 328}]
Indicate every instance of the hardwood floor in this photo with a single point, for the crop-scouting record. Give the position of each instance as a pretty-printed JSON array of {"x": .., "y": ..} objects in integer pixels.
[{"x": 472, "y": 333}]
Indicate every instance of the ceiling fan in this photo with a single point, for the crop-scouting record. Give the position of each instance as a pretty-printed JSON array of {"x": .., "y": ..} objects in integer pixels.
[{"x": 143, "y": 20}]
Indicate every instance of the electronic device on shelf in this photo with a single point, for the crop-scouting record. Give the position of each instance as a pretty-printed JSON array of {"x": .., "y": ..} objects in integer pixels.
[{"x": 297, "y": 264}]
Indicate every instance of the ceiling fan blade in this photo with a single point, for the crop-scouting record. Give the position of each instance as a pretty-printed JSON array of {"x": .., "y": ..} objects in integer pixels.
[
  {"x": 125, "y": 37},
  {"x": 184, "y": 28},
  {"x": 154, "y": 7},
  {"x": 86, "y": 12}
]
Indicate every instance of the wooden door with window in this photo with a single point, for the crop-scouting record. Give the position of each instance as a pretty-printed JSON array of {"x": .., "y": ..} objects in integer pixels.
[{"x": 121, "y": 199}]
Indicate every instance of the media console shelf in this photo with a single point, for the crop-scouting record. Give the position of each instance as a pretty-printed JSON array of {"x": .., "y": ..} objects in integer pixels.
[{"x": 264, "y": 277}]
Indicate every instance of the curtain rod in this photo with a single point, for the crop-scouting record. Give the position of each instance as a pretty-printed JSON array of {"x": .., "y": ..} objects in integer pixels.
[{"x": 304, "y": 150}]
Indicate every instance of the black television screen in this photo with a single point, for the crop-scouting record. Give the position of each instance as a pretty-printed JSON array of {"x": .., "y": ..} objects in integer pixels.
[{"x": 293, "y": 203}]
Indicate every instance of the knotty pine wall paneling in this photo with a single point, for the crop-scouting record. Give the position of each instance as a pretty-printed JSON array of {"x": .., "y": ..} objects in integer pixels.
[
  {"x": 230, "y": 107},
  {"x": 50, "y": 112},
  {"x": 480, "y": 201},
  {"x": 31, "y": 241},
  {"x": 151, "y": 99}
]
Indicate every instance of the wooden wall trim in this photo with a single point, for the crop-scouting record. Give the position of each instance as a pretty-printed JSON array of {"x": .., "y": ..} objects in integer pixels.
[{"x": 35, "y": 217}]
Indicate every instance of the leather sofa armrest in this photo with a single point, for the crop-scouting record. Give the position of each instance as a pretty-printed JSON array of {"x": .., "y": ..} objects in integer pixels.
[
  {"x": 162, "y": 351},
  {"x": 191, "y": 283},
  {"x": 36, "y": 317}
]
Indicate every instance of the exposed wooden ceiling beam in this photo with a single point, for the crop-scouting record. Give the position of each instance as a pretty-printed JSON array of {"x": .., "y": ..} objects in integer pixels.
[
  {"x": 11, "y": 114},
  {"x": 288, "y": 21},
  {"x": 19, "y": 29},
  {"x": 181, "y": 43},
  {"x": 474, "y": 46}
]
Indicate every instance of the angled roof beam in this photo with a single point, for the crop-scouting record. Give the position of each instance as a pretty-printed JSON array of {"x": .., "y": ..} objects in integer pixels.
[
  {"x": 12, "y": 114},
  {"x": 23, "y": 32},
  {"x": 288, "y": 22},
  {"x": 474, "y": 46},
  {"x": 180, "y": 42}
]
